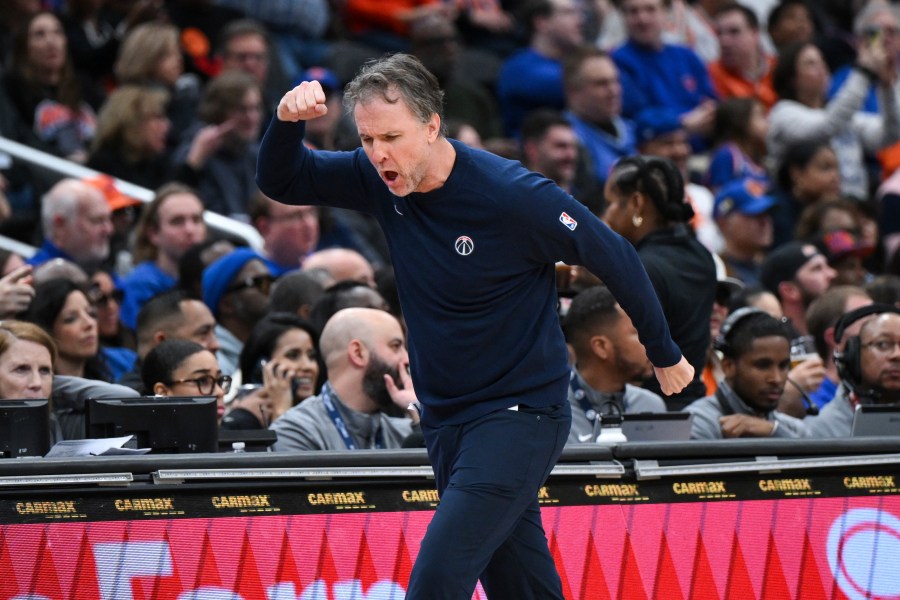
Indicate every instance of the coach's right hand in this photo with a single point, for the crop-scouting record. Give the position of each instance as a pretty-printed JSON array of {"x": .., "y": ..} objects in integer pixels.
[{"x": 304, "y": 102}]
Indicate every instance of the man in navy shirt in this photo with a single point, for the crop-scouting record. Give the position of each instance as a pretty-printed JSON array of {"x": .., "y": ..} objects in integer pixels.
[{"x": 474, "y": 239}]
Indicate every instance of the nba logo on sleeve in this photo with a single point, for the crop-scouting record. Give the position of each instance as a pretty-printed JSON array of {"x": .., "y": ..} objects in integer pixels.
[{"x": 568, "y": 221}]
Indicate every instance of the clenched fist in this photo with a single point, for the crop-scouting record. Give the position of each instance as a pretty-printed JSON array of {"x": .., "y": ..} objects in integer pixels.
[{"x": 304, "y": 102}]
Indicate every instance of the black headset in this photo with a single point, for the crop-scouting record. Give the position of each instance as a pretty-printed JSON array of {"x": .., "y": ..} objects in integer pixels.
[
  {"x": 721, "y": 342},
  {"x": 848, "y": 362}
]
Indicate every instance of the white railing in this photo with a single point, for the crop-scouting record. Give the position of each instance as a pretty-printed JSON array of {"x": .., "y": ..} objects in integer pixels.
[{"x": 67, "y": 168}]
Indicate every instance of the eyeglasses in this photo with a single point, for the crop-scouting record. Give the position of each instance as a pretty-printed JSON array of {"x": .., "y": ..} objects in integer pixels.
[
  {"x": 882, "y": 346},
  {"x": 206, "y": 384},
  {"x": 263, "y": 283},
  {"x": 98, "y": 298}
]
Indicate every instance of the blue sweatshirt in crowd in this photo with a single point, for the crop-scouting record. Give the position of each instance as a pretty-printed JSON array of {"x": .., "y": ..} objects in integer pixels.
[{"x": 475, "y": 270}]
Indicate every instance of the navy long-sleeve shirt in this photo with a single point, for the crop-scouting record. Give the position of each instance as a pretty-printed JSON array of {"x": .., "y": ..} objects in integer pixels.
[{"x": 475, "y": 269}]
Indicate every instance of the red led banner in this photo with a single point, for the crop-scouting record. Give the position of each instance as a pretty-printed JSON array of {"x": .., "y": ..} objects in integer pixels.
[{"x": 785, "y": 549}]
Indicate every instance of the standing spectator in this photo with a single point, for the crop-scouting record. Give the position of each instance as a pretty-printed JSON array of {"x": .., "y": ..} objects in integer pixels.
[
  {"x": 132, "y": 130},
  {"x": 594, "y": 107},
  {"x": 743, "y": 70},
  {"x": 46, "y": 93},
  {"x": 660, "y": 77},
  {"x": 219, "y": 153},
  {"x": 532, "y": 78},
  {"x": 756, "y": 351},
  {"x": 804, "y": 114},
  {"x": 63, "y": 310},
  {"x": 169, "y": 226},
  {"x": 648, "y": 208},
  {"x": 236, "y": 290},
  {"x": 609, "y": 358},
  {"x": 77, "y": 225}
]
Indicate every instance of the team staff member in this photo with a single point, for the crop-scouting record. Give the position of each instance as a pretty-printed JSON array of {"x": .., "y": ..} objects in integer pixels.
[{"x": 474, "y": 240}]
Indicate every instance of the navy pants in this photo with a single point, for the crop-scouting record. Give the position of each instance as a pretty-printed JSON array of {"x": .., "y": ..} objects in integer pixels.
[{"x": 488, "y": 523}]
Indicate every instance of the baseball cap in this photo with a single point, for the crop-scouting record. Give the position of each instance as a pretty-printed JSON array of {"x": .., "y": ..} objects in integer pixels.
[
  {"x": 726, "y": 286},
  {"x": 746, "y": 196},
  {"x": 326, "y": 77},
  {"x": 840, "y": 243},
  {"x": 784, "y": 262},
  {"x": 219, "y": 275},
  {"x": 114, "y": 198},
  {"x": 653, "y": 123}
]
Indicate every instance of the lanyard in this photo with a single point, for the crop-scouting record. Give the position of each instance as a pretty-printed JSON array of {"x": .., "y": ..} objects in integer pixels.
[
  {"x": 338, "y": 421},
  {"x": 581, "y": 397}
]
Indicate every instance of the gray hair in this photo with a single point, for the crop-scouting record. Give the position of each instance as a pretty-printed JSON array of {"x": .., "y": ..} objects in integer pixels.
[
  {"x": 395, "y": 77},
  {"x": 61, "y": 201},
  {"x": 866, "y": 16}
]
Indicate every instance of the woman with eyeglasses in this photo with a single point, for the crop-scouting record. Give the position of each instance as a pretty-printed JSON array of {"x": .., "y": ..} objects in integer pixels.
[
  {"x": 185, "y": 368},
  {"x": 64, "y": 310}
]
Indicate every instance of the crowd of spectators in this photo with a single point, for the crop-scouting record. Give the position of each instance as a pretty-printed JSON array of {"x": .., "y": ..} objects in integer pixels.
[{"x": 747, "y": 149}]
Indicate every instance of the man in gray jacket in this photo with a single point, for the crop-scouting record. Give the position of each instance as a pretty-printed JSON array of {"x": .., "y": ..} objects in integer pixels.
[
  {"x": 756, "y": 351},
  {"x": 608, "y": 357},
  {"x": 368, "y": 395}
]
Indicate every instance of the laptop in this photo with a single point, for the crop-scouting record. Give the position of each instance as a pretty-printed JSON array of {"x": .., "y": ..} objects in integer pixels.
[
  {"x": 657, "y": 427},
  {"x": 876, "y": 419}
]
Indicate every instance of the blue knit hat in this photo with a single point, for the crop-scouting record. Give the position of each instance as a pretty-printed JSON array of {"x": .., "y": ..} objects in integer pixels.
[{"x": 220, "y": 274}]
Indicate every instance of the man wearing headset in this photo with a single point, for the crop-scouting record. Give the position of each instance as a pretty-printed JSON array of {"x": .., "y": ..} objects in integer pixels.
[
  {"x": 756, "y": 356},
  {"x": 868, "y": 367}
]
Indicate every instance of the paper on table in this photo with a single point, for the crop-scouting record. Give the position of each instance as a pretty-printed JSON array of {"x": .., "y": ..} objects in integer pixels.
[{"x": 98, "y": 447}]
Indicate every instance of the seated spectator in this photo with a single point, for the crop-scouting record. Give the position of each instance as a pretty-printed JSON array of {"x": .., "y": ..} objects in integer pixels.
[
  {"x": 665, "y": 137},
  {"x": 609, "y": 357},
  {"x": 385, "y": 25},
  {"x": 77, "y": 226},
  {"x": 435, "y": 40},
  {"x": 797, "y": 273},
  {"x": 170, "y": 225},
  {"x": 867, "y": 367},
  {"x": 726, "y": 289},
  {"x": 345, "y": 294},
  {"x": 171, "y": 315},
  {"x": 846, "y": 252},
  {"x": 756, "y": 356},
  {"x": 282, "y": 358},
  {"x": 290, "y": 232},
  {"x": 368, "y": 387},
  {"x": 218, "y": 154},
  {"x": 322, "y": 133},
  {"x": 550, "y": 147},
  {"x": 236, "y": 290},
  {"x": 822, "y": 318},
  {"x": 594, "y": 107},
  {"x": 664, "y": 78},
  {"x": 184, "y": 368},
  {"x": 808, "y": 175},
  {"x": 743, "y": 70},
  {"x": 743, "y": 213},
  {"x": 150, "y": 56},
  {"x": 342, "y": 264},
  {"x": 758, "y": 297},
  {"x": 63, "y": 310},
  {"x": 132, "y": 130},
  {"x": 885, "y": 289},
  {"x": 532, "y": 77},
  {"x": 295, "y": 293},
  {"x": 791, "y": 22},
  {"x": 804, "y": 114},
  {"x": 116, "y": 344},
  {"x": 739, "y": 143},
  {"x": 194, "y": 262},
  {"x": 45, "y": 92},
  {"x": 27, "y": 361},
  {"x": 16, "y": 291}
]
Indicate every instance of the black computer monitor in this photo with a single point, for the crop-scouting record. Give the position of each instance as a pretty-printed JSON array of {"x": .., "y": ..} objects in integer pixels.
[
  {"x": 165, "y": 424},
  {"x": 24, "y": 428}
]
